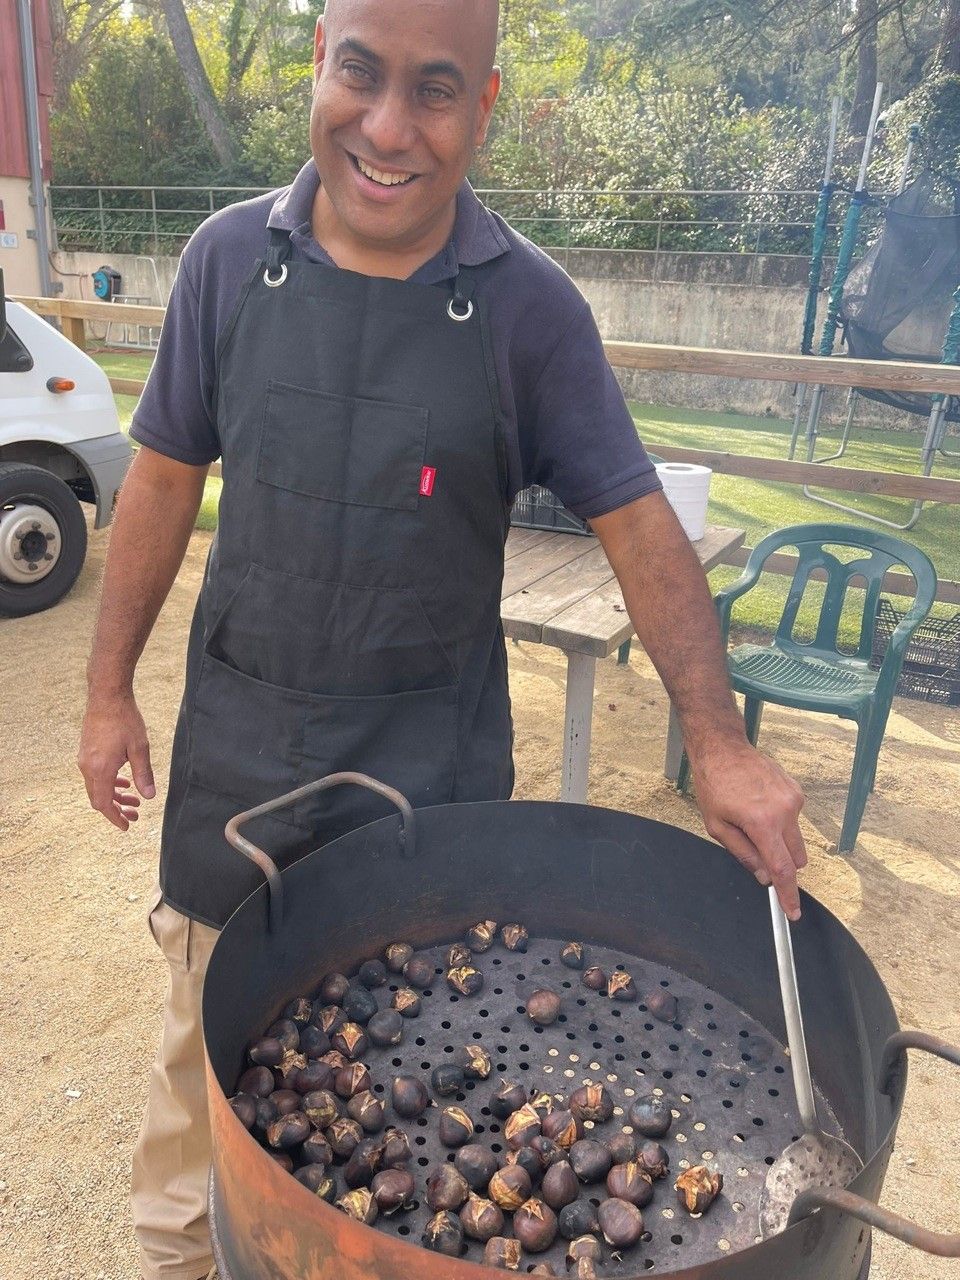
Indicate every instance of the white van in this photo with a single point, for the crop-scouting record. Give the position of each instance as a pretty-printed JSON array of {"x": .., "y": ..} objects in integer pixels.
[{"x": 60, "y": 445}]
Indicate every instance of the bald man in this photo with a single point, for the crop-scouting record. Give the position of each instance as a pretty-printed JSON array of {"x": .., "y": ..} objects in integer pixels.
[{"x": 382, "y": 364}]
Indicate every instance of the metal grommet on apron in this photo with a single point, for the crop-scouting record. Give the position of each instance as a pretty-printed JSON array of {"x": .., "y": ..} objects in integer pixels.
[
  {"x": 460, "y": 306},
  {"x": 275, "y": 283}
]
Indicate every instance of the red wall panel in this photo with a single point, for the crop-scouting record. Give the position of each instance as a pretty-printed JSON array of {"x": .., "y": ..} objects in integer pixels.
[{"x": 14, "y": 161}]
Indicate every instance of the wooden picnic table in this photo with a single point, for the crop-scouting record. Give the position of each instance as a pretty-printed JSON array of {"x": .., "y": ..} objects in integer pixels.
[{"x": 558, "y": 589}]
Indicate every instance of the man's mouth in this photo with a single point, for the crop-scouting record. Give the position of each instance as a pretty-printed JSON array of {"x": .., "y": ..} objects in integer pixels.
[{"x": 380, "y": 177}]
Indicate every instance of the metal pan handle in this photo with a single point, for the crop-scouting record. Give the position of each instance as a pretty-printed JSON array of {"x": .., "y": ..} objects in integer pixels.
[
  {"x": 267, "y": 864},
  {"x": 943, "y": 1245}
]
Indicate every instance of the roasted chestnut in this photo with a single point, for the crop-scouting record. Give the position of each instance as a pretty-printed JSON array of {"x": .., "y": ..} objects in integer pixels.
[
  {"x": 475, "y": 1062},
  {"x": 522, "y": 1126},
  {"x": 547, "y": 1151},
  {"x": 419, "y": 972},
  {"x": 406, "y": 1002},
  {"x": 286, "y": 1100},
  {"x": 481, "y": 1218},
  {"x": 480, "y": 936},
  {"x": 392, "y": 1189},
  {"x": 329, "y": 1018},
  {"x": 577, "y": 1219},
  {"x": 287, "y": 1032},
  {"x": 394, "y": 1149},
  {"x": 510, "y": 1187},
  {"x": 507, "y": 1098},
  {"x": 333, "y": 988},
  {"x": 385, "y": 1028},
  {"x": 267, "y": 1052},
  {"x": 299, "y": 1010},
  {"x": 458, "y": 954},
  {"x": 503, "y": 1253},
  {"x": 351, "y": 1080},
  {"x": 697, "y": 1188},
  {"x": 621, "y": 986},
  {"x": 313, "y": 1076},
  {"x": 257, "y": 1081},
  {"x": 316, "y": 1149},
  {"x": 359, "y": 1005},
  {"x": 650, "y": 1116},
  {"x": 316, "y": 1178},
  {"x": 662, "y": 1005},
  {"x": 563, "y": 1127},
  {"x": 466, "y": 980},
  {"x": 528, "y": 1160},
  {"x": 620, "y": 1222},
  {"x": 360, "y": 1205},
  {"x": 244, "y": 1107},
  {"x": 543, "y": 1008},
  {"x": 372, "y": 973},
  {"x": 630, "y": 1182},
  {"x": 535, "y": 1226},
  {"x": 515, "y": 937},
  {"x": 560, "y": 1185},
  {"x": 543, "y": 1103},
  {"x": 542, "y": 1269},
  {"x": 288, "y": 1071},
  {"x": 335, "y": 1059},
  {"x": 477, "y": 1164},
  {"x": 621, "y": 1146},
  {"x": 367, "y": 1109},
  {"x": 396, "y": 956},
  {"x": 282, "y": 1158},
  {"x": 447, "y": 1079},
  {"x": 591, "y": 1102},
  {"x": 344, "y": 1135},
  {"x": 363, "y": 1163},
  {"x": 409, "y": 1097},
  {"x": 594, "y": 979},
  {"x": 584, "y": 1247},
  {"x": 571, "y": 954},
  {"x": 456, "y": 1127},
  {"x": 266, "y": 1114},
  {"x": 313, "y": 1042},
  {"x": 590, "y": 1160},
  {"x": 289, "y": 1130},
  {"x": 585, "y": 1269},
  {"x": 351, "y": 1040},
  {"x": 447, "y": 1188},
  {"x": 443, "y": 1234},
  {"x": 320, "y": 1107},
  {"x": 652, "y": 1159}
]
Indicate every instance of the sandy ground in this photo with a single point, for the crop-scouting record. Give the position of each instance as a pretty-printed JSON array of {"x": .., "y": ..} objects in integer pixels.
[{"x": 82, "y": 982}]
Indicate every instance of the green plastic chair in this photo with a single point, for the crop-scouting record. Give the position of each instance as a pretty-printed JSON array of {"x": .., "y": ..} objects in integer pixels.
[{"x": 817, "y": 676}]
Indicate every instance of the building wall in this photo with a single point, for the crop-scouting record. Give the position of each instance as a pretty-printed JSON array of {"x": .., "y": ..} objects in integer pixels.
[{"x": 20, "y": 265}]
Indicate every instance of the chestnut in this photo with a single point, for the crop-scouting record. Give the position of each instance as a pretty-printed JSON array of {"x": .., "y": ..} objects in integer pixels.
[
  {"x": 456, "y": 1127},
  {"x": 329, "y": 1019},
  {"x": 528, "y": 1160},
  {"x": 372, "y": 973},
  {"x": 542, "y": 1269},
  {"x": 367, "y": 1109},
  {"x": 313, "y": 1042},
  {"x": 571, "y": 954},
  {"x": 320, "y": 1107},
  {"x": 351, "y": 1080},
  {"x": 406, "y": 1002},
  {"x": 315, "y": 1075},
  {"x": 287, "y": 1032},
  {"x": 244, "y": 1107},
  {"x": 282, "y": 1158},
  {"x": 257, "y": 1081},
  {"x": 392, "y": 1189},
  {"x": 360, "y": 1205},
  {"x": 503, "y": 1253},
  {"x": 522, "y": 1127},
  {"x": 543, "y": 1008},
  {"x": 652, "y": 1159},
  {"x": 396, "y": 956},
  {"x": 288, "y": 1071},
  {"x": 475, "y": 1062},
  {"x": 515, "y": 937},
  {"x": 481, "y": 1219},
  {"x": 394, "y": 1149},
  {"x": 266, "y": 1114},
  {"x": 662, "y": 1005},
  {"x": 621, "y": 1146},
  {"x": 535, "y": 1226},
  {"x": 443, "y": 1234},
  {"x": 583, "y": 1248},
  {"x": 409, "y": 1097},
  {"x": 507, "y": 1098},
  {"x": 299, "y": 1010},
  {"x": 333, "y": 988},
  {"x": 359, "y": 1005},
  {"x": 419, "y": 972},
  {"x": 344, "y": 1135},
  {"x": 591, "y": 1102},
  {"x": 594, "y": 979},
  {"x": 621, "y": 986},
  {"x": 586, "y": 1269},
  {"x": 620, "y": 1222},
  {"x": 542, "y": 1103},
  {"x": 351, "y": 1040},
  {"x": 335, "y": 1059},
  {"x": 560, "y": 1185},
  {"x": 590, "y": 1160},
  {"x": 318, "y": 1180},
  {"x": 577, "y": 1219},
  {"x": 697, "y": 1188},
  {"x": 466, "y": 980},
  {"x": 650, "y": 1116},
  {"x": 477, "y": 1164},
  {"x": 363, "y": 1163},
  {"x": 289, "y": 1130},
  {"x": 447, "y": 1188},
  {"x": 630, "y": 1182},
  {"x": 316, "y": 1150},
  {"x": 547, "y": 1151},
  {"x": 385, "y": 1028},
  {"x": 480, "y": 936},
  {"x": 286, "y": 1100},
  {"x": 447, "y": 1079},
  {"x": 267, "y": 1052},
  {"x": 563, "y": 1127},
  {"x": 457, "y": 955},
  {"x": 510, "y": 1187}
]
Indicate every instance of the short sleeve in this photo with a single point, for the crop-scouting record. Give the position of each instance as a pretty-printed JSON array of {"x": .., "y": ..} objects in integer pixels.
[
  {"x": 580, "y": 439},
  {"x": 176, "y": 415}
]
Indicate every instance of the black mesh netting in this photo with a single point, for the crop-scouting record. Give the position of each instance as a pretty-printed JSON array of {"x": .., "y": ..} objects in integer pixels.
[{"x": 898, "y": 299}]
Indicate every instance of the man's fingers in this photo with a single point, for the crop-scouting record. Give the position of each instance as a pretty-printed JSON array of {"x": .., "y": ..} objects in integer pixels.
[
  {"x": 139, "y": 756},
  {"x": 779, "y": 863},
  {"x": 742, "y": 848}
]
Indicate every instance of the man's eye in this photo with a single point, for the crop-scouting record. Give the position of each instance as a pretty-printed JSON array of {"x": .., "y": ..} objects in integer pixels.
[
  {"x": 436, "y": 93},
  {"x": 357, "y": 71}
]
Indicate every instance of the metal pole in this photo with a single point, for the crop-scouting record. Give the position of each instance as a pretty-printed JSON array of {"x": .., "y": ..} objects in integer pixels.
[
  {"x": 31, "y": 111},
  {"x": 912, "y": 138}
]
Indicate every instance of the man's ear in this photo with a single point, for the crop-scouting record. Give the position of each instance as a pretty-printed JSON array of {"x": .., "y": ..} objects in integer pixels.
[
  {"x": 488, "y": 100},
  {"x": 319, "y": 49}
]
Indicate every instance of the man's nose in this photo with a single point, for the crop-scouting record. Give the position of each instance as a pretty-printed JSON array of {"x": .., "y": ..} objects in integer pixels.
[{"x": 388, "y": 125}]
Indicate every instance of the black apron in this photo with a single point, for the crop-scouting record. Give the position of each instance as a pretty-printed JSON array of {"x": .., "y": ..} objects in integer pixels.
[{"x": 350, "y": 612}]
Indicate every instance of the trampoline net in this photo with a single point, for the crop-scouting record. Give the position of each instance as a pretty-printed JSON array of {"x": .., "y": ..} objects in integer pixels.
[{"x": 898, "y": 299}]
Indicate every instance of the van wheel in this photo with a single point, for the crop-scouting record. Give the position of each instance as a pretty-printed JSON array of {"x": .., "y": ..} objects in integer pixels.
[{"x": 43, "y": 539}]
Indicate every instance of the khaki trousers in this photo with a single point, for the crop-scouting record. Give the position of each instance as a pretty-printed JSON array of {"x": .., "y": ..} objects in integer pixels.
[{"x": 171, "y": 1163}]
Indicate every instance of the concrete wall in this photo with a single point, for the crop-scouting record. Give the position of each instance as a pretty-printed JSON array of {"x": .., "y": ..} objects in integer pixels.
[{"x": 20, "y": 265}]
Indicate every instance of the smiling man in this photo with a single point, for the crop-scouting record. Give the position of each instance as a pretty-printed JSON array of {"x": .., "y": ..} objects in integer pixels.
[{"x": 382, "y": 364}]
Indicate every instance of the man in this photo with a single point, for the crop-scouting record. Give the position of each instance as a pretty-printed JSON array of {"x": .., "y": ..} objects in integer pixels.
[{"x": 381, "y": 364}]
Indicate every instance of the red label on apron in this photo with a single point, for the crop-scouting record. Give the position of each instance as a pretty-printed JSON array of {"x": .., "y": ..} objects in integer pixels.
[{"x": 427, "y": 477}]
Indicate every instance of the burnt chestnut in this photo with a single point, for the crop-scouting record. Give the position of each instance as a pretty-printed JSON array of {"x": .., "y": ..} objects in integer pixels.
[
  {"x": 510, "y": 1187},
  {"x": 620, "y": 1222},
  {"x": 477, "y": 1164},
  {"x": 267, "y": 1052},
  {"x": 409, "y": 1097},
  {"x": 443, "y": 1234},
  {"x": 591, "y": 1102},
  {"x": 359, "y": 1005},
  {"x": 244, "y": 1107},
  {"x": 289, "y": 1131},
  {"x": 367, "y": 1109},
  {"x": 543, "y": 1008},
  {"x": 590, "y": 1160},
  {"x": 406, "y": 1002},
  {"x": 419, "y": 972},
  {"x": 577, "y": 1219},
  {"x": 316, "y": 1150},
  {"x": 481, "y": 1218},
  {"x": 396, "y": 956},
  {"x": 299, "y": 1010},
  {"x": 372, "y": 973},
  {"x": 351, "y": 1080},
  {"x": 697, "y": 1188},
  {"x": 287, "y": 1032},
  {"x": 526, "y": 1159},
  {"x": 266, "y": 1114},
  {"x": 363, "y": 1163},
  {"x": 313, "y": 1042},
  {"x": 522, "y": 1127},
  {"x": 560, "y": 1185},
  {"x": 630, "y": 1182},
  {"x": 503, "y": 1253},
  {"x": 535, "y": 1226},
  {"x": 286, "y": 1100},
  {"x": 507, "y": 1098},
  {"x": 385, "y": 1028},
  {"x": 282, "y": 1158},
  {"x": 652, "y": 1159},
  {"x": 315, "y": 1075},
  {"x": 466, "y": 980},
  {"x": 329, "y": 1018},
  {"x": 333, "y": 988},
  {"x": 662, "y": 1005},
  {"x": 475, "y": 1062},
  {"x": 392, "y": 1189},
  {"x": 320, "y": 1107},
  {"x": 479, "y": 937},
  {"x": 621, "y": 1146},
  {"x": 583, "y": 1248},
  {"x": 650, "y": 1116},
  {"x": 515, "y": 937},
  {"x": 621, "y": 986},
  {"x": 447, "y": 1188},
  {"x": 319, "y": 1181},
  {"x": 456, "y": 1127},
  {"x": 394, "y": 1149},
  {"x": 594, "y": 979},
  {"x": 563, "y": 1127},
  {"x": 257, "y": 1081},
  {"x": 360, "y": 1205},
  {"x": 351, "y": 1040},
  {"x": 344, "y": 1135},
  {"x": 543, "y": 1103},
  {"x": 447, "y": 1079},
  {"x": 547, "y": 1151},
  {"x": 457, "y": 955},
  {"x": 572, "y": 954}
]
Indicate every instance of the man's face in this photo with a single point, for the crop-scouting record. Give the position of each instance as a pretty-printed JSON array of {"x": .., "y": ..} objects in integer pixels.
[{"x": 402, "y": 98}]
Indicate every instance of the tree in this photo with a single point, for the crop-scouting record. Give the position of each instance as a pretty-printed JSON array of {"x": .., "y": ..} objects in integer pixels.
[
  {"x": 208, "y": 108},
  {"x": 864, "y": 32},
  {"x": 948, "y": 47}
]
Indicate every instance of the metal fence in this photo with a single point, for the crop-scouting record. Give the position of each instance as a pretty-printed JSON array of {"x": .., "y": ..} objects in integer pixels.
[{"x": 159, "y": 220}]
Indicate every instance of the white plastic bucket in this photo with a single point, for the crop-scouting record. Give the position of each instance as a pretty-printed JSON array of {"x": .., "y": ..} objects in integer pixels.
[{"x": 687, "y": 487}]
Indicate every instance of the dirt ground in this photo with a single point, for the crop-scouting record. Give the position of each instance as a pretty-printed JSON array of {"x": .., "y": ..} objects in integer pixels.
[{"x": 82, "y": 983}]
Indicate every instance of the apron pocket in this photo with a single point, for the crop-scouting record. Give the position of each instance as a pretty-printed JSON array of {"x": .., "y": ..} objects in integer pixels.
[{"x": 347, "y": 449}]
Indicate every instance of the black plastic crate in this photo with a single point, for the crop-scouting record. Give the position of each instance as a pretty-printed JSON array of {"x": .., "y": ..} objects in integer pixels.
[
  {"x": 538, "y": 508},
  {"x": 931, "y": 668}
]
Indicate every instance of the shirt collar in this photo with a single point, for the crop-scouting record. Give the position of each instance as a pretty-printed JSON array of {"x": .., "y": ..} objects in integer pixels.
[{"x": 477, "y": 236}]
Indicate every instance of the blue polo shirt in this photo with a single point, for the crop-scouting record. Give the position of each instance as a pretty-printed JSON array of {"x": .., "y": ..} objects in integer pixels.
[{"x": 567, "y": 425}]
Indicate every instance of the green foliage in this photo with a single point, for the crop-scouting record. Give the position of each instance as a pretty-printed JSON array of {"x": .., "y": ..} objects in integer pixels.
[
  {"x": 935, "y": 106},
  {"x": 277, "y": 142}
]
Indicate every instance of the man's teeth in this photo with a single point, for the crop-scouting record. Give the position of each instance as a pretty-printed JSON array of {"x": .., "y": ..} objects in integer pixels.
[{"x": 385, "y": 179}]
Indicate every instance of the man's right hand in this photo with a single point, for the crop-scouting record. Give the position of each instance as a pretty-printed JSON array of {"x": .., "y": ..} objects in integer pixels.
[{"x": 114, "y": 735}]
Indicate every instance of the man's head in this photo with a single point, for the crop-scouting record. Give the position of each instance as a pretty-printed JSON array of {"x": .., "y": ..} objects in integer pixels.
[{"x": 403, "y": 94}]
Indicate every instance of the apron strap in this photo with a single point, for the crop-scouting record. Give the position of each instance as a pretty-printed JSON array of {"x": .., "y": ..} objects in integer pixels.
[
  {"x": 460, "y": 306},
  {"x": 279, "y": 250}
]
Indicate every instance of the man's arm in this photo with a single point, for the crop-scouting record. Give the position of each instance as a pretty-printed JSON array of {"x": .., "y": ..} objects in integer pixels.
[
  {"x": 748, "y": 803},
  {"x": 155, "y": 515}
]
